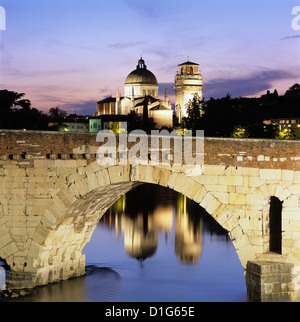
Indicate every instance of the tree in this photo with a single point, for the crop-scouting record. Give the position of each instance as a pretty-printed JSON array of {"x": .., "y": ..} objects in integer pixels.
[
  {"x": 57, "y": 115},
  {"x": 10, "y": 99},
  {"x": 294, "y": 88},
  {"x": 286, "y": 134},
  {"x": 195, "y": 112},
  {"x": 194, "y": 108},
  {"x": 293, "y": 92},
  {"x": 240, "y": 132},
  {"x": 16, "y": 112}
]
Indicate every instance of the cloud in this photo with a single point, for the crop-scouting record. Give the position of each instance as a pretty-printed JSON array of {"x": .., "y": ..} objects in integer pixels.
[
  {"x": 162, "y": 88},
  {"x": 248, "y": 86},
  {"x": 147, "y": 9},
  {"x": 290, "y": 37},
  {"x": 128, "y": 44},
  {"x": 51, "y": 43},
  {"x": 83, "y": 108},
  {"x": 79, "y": 107}
]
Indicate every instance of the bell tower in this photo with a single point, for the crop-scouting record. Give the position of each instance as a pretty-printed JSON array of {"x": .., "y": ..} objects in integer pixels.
[{"x": 188, "y": 82}]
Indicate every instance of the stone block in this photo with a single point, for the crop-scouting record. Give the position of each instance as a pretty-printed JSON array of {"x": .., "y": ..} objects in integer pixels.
[
  {"x": 93, "y": 181},
  {"x": 237, "y": 198},
  {"x": 255, "y": 182},
  {"x": 233, "y": 171},
  {"x": 164, "y": 177},
  {"x": 223, "y": 197},
  {"x": 172, "y": 180},
  {"x": 297, "y": 177},
  {"x": 250, "y": 172},
  {"x": 256, "y": 199},
  {"x": 102, "y": 178},
  {"x": 216, "y": 188},
  {"x": 156, "y": 175},
  {"x": 207, "y": 179},
  {"x": 200, "y": 194},
  {"x": 210, "y": 203},
  {"x": 10, "y": 249},
  {"x": 213, "y": 169},
  {"x": 40, "y": 234},
  {"x": 287, "y": 175},
  {"x": 230, "y": 224},
  {"x": 294, "y": 189},
  {"x": 186, "y": 185},
  {"x": 292, "y": 202},
  {"x": 270, "y": 174},
  {"x": 236, "y": 232},
  {"x": 231, "y": 180},
  {"x": 5, "y": 239}
]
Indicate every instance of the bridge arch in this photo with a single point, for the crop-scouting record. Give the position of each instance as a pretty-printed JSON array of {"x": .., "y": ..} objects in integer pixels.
[
  {"x": 54, "y": 250},
  {"x": 71, "y": 217}
]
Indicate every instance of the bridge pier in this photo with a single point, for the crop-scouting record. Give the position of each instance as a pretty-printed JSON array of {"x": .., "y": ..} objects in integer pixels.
[
  {"x": 269, "y": 281},
  {"x": 32, "y": 277}
]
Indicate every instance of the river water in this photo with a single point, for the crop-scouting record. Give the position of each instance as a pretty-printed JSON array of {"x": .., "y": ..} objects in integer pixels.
[{"x": 154, "y": 245}]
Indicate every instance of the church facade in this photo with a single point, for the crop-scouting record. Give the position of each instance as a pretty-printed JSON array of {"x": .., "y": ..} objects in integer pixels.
[{"x": 141, "y": 93}]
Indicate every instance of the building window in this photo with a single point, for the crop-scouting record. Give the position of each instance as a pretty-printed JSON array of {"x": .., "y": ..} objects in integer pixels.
[{"x": 275, "y": 218}]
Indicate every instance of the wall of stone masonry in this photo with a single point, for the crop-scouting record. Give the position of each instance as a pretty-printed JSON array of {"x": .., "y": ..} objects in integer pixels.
[
  {"x": 256, "y": 153},
  {"x": 269, "y": 282},
  {"x": 53, "y": 193}
]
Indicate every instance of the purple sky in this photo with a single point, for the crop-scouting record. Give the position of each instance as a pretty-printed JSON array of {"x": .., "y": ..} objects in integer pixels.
[{"x": 72, "y": 53}]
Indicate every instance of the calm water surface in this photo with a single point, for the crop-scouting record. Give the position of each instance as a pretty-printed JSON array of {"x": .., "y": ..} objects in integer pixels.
[{"x": 154, "y": 245}]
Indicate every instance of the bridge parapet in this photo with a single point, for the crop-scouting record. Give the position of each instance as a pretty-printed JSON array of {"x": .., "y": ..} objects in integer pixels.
[{"x": 24, "y": 146}]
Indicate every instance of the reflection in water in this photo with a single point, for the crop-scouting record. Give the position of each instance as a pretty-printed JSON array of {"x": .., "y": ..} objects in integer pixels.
[
  {"x": 188, "y": 236},
  {"x": 182, "y": 255},
  {"x": 141, "y": 216}
]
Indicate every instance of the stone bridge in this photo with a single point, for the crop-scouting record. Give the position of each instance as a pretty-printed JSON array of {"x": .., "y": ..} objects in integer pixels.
[{"x": 53, "y": 193}]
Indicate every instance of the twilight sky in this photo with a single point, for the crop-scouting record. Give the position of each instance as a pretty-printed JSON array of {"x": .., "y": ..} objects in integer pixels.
[{"x": 72, "y": 53}]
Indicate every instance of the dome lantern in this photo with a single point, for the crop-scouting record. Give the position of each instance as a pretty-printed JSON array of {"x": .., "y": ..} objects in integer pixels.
[{"x": 141, "y": 64}]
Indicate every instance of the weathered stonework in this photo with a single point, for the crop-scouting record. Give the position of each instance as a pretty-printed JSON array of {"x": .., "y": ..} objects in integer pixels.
[
  {"x": 269, "y": 282},
  {"x": 53, "y": 193}
]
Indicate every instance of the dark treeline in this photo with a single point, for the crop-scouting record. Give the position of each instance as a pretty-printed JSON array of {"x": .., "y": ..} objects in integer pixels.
[
  {"x": 16, "y": 113},
  {"x": 244, "y": 117},
  {"x": 223, "y": 117}
]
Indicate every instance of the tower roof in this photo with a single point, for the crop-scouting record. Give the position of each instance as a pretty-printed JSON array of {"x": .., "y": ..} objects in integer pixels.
[
  {"x": 188, "y": 63},
  {"x": 141, "y": 75}
]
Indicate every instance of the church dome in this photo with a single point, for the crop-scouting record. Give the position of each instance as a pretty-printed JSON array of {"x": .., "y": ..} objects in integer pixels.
[{"x": 141, "y": 75}]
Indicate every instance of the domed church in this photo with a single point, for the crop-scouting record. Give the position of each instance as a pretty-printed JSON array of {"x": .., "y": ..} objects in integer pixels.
[
  {"x": 140, "y": 90},
  {"x": 141, "y": 82}
]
